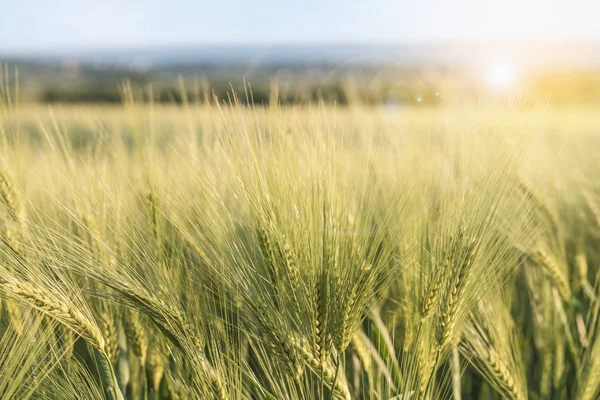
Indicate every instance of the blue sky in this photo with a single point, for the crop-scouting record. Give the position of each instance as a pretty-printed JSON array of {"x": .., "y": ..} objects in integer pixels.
[{"x": 77, "y": 24}]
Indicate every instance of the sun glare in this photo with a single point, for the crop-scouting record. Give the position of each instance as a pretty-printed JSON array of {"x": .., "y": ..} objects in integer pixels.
[{"x": 500, "y": 75}]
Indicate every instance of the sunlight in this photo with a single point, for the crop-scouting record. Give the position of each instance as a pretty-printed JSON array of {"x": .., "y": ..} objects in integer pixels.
[{"x": 500, "y": 75}]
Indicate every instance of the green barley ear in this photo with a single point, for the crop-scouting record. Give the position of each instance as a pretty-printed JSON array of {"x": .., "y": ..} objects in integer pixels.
[
  {"x": 431, "y": 296},
  {"x": 588, "y": 381},
  {"x": 291, "y": 263},
  {"x": 340, "y": 386},
  {"x": 582, "y": 267},
  {"x": 155, "y": 364},
  {"x": 10, "y": 197},
  {"x": 268, "y": 254},
  {"x": 554, "y": 273},
  {"x": 136, "y": 336},
  {"x": 63, "y": 313},
  {"x": 11, "y": 200},
  {"x": 278, "y": 340},
  {"x": 360, "y": 345},
  {"x": 542, "y": 207},
  {"x": 491, "y": 344},
  {"x": 344, "y": 327},
  {"x": 452, "y": 298},
  {"x": 353, "y": 296},
  {"x": 503, "y": 375},
  {"x": 109, "y": 332},
  {"x": 66, "y": 313}
]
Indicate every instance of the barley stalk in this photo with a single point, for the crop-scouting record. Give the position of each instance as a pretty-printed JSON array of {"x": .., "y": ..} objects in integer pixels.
[{"x": 321, "y": 345}]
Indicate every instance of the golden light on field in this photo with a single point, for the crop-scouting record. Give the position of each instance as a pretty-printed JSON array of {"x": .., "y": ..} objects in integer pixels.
[{"x": 500, "y": 75}]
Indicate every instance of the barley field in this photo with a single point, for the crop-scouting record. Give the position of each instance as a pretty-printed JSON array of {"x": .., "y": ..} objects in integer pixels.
[{"x": 225, "y": 251}]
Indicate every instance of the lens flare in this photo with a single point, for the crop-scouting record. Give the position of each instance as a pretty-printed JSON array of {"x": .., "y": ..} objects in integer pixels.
[{"x": 500, "y": 75}]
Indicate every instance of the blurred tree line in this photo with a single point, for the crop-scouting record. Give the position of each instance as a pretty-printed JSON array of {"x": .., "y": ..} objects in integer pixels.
[{"x": 293, "y": 84}]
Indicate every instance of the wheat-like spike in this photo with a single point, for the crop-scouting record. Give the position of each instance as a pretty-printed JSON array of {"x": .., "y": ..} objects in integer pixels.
[
  {"x": 540, "y": 205},
  {"x": 343, "y": 331},
  {"x": 266, "y": 247},
  {"x": 61, "y": 312},
  {"x": 217, "y": 386},
  {"x": 430, "y": 299},
  {"x": 194, "y": 345},
  {"x": 109, "y": 332},
  {"x": 340, "y": 385},
  {"x": 12, "y": 202},
  {"x": 503, "y": 376},
  {"x": 174, "y": 325},
  {"x": 136, "y": 336},
  {"x": 10, "y": 196},
  {"x": 588, "y": 390},
  {"x": 291, "y": 264},
  {"x": 582, "y": 267},
  {"x": 451, "y": 301},
  {"x": 352, "y": 299},
  {"x": 588, "y": 384},
  {"x": 409, "y": 338},
  {"x": 155, "y": 363},
  {"x": 554, "y": 273},
  {"x": 426, "y": 365},
  {"x": 166, "y": 317},
  {"x": 283, "y": 348},
  {"x": 582, "y": 273},
  {"x": 588, "y": 381}
]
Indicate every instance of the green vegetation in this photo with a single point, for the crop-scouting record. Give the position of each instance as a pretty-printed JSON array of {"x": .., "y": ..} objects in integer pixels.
[
  {"x": 372, "y": 84},
  {"x": 231, "y": 252}
]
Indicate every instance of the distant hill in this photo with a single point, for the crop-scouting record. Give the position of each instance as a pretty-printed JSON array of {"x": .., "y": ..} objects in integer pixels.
[
  {"x": 416, "y": 74},
  {"x": 528, "y": 54}
]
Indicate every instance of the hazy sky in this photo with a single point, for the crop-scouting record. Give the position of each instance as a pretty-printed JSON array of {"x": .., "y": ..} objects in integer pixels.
[{"x": 67, "y": 24}]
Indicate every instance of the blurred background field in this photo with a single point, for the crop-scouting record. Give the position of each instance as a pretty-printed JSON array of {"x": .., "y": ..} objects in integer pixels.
[{"x": 531, "y": 74}]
